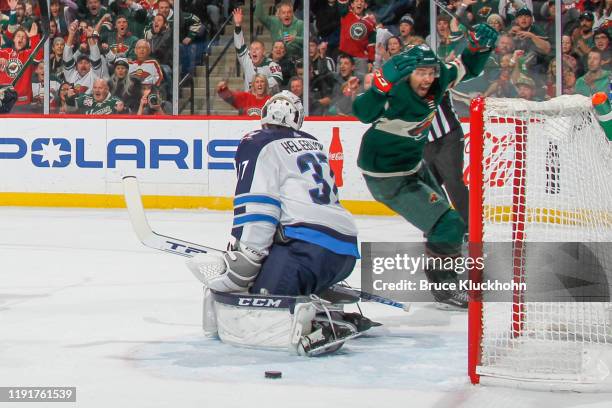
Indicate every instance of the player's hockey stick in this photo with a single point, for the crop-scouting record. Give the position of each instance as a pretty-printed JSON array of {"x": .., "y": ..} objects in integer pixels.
[
  {"x": 461, "y": 18},
  {"x": 149, "y": 237},
  {"x": 176, "y": 246},
  {"x": 345, "y": 290}
]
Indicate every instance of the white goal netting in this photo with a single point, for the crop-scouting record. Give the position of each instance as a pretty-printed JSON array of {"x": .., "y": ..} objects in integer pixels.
[{"x": 547, "y": 178}]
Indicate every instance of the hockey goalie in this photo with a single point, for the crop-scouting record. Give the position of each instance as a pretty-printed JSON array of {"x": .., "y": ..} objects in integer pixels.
[{"x": 292, "y": 241}]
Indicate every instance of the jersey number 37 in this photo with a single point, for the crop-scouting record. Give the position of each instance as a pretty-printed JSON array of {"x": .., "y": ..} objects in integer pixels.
[{"x": 318, "y": 167}]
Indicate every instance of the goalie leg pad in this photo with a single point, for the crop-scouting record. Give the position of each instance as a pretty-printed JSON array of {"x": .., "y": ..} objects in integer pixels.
[{"x": 265, "y": 322}]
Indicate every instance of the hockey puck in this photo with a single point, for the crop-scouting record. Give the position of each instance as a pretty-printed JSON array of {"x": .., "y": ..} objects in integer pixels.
[{"x": 274, "y": 374}]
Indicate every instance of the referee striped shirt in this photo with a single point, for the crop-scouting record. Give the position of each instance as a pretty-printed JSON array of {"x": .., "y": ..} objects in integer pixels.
[{"x": 445, "y": 120}]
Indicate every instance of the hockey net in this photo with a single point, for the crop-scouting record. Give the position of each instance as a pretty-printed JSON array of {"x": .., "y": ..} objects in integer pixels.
[{"x": 539, "y": 172}]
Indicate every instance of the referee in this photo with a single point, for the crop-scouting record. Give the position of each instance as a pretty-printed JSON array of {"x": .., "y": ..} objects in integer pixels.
[{"x": 444, "y": 155}]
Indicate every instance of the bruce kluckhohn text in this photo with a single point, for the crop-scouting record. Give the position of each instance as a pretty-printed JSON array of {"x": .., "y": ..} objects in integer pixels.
[{"x": 424, "y": 285}]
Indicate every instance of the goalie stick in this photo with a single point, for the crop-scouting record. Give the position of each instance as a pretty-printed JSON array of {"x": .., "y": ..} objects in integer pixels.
[
  {"x": 461, "y": 18},
  {"x": 152, "y": 239}
]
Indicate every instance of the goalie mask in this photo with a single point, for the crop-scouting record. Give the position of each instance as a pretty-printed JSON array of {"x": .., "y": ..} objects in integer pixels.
[{"x": 283, "y": 109}]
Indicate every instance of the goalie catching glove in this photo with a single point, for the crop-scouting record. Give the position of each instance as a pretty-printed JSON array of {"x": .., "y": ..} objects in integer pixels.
[
  {"x": 482, "y": 38},
  {"x": 232, "y": 271},
  {"x": 401, "y": 65}
]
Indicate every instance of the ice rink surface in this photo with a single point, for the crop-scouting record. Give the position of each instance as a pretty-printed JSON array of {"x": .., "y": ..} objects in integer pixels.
[{"x": 83, "y": 303}]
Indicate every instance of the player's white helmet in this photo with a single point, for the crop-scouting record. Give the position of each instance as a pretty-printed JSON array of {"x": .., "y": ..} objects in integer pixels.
[{"x": 283, "y": 109}]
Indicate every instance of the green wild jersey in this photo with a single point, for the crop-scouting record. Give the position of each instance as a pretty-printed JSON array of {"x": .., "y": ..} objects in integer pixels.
[{"x": 393, "y": 146}]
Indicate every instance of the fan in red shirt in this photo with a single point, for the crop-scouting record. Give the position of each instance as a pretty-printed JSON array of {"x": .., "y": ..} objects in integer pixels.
[
  {"x": 13, "y": 60},
  {"x": 247, "y": 103}
]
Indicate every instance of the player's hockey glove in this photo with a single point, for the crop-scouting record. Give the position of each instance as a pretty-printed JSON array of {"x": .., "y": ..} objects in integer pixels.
[
  {"x": 8, "y": 97},
  {"x": 483, "y": 37},
  {"x": 397, "y": 67}
]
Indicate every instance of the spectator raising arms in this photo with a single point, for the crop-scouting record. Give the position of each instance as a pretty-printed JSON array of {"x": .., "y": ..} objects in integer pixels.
[
  {"x": 596, "y": 79},
  {"x": 13, "y": 60},
  {"x": 357, "y": 33},
  {"x": 283, "y": 27},
  {"x": 247, "y": 103},
  {"x": 87, "y": 68},
  {"x": 254, "y": 60}
]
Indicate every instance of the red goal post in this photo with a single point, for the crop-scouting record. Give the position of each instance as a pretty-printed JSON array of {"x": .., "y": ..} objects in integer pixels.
[{"x": 539, "y": 172}]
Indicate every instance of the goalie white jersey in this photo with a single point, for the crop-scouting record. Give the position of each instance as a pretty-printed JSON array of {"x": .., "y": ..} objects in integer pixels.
[{"x": 284, "y": 178}]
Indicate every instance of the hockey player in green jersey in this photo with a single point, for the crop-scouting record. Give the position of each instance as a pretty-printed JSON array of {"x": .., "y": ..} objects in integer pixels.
[{"x": 401, "y": 105}]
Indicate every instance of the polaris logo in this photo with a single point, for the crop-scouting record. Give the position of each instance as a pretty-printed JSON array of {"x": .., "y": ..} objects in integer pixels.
[
  {"x": 259, "y": 302},
  {"x": 217, "y": 154}
]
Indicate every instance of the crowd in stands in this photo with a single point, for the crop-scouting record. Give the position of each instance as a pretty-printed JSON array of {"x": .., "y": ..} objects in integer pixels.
[
  {"x": 105, "y": 56},
  {"x": 115, "y": 56}
]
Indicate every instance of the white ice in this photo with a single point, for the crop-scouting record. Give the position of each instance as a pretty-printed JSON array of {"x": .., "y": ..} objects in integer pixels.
[{"x": 83, "y": 303}]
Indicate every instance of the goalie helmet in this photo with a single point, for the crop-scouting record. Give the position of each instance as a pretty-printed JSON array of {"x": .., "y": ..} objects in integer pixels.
[{"x": 283, "y": 109}]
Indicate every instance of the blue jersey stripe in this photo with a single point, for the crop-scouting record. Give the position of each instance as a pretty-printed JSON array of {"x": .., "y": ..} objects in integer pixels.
[
  {"x": 257, "y": 199},
  {"x": 255, "y": 218},
  {"x": 323, "y": 240}
]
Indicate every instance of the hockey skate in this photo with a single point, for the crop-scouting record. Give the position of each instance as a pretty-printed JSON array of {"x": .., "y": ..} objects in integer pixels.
[
  {"x": 447, "y": 299},
  {"x": 328, "y": 336}
]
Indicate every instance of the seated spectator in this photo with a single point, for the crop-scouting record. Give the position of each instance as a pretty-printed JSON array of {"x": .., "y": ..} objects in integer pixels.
[
  {"x": 357, "y": 33},
  {"x": 21, "y": 51},
  {"x": 582, "y": 37},
  {"x": 382, "y": 48},
  {"x": 86, "y": 69},
  {"x": 279, "y": 55},
  {"x": 284, "y": 26},
  {"x": 346, "y": 68},
  {"x": 57, "y": 17},
  {"x": 23, "y": 20},
  {"x": 322, "y": 65},
  {"x": 100, "y": 102},
  {"x": 124, "y": 87},
  {"x": 502, "y": 86},
  {"x": 62, "y": 106},
  {"x": 95, "y": 12},
  {"x": 406, "y": 31},
  {"x": 56, "y": 62},
  {"x": 509, "y": 9},
  {"x": 569, "y": 81},
  {"x": 526, "y": 88},
  {"x": 343, "y": 103},
  {"x": 531, "y": 39},
  {"x": 151, "y": 103},
  {"x": 38, "y": 88},
  {"x": 602, "y": 44},
  {"x": 318, "y": 94},
  {"x": 596, "y": 79},
  {"x": 254, "y": 60},
  {"x": 569, "y": 56},
  {"x": 497, "y": 22},
  {"x": 144, "y": 68},
  {"x": 247, "y": 103},
  {"x": 120, "y": 41},
  {"x": 134, "y": 12},
  {"x": 450, "y": 40}
]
